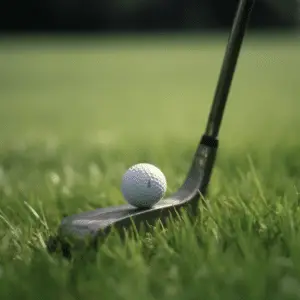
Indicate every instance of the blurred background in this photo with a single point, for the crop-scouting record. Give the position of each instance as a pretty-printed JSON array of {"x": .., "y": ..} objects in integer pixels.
[
  {"x": 140, "y": 15},
  {"x": 113, "y": 64}
]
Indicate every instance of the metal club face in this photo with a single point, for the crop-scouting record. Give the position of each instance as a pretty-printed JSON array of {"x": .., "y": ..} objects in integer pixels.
[{"x": 98, "y": 223}]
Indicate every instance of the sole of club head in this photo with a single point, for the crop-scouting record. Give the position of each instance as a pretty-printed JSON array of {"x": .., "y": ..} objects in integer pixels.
[
  {"x": 100, "y": 221},
  {"x": 88, "y": 229}
]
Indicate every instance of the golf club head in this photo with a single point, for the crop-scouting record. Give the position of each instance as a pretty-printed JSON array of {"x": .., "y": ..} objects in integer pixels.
[{"x": 92, "y": 226}]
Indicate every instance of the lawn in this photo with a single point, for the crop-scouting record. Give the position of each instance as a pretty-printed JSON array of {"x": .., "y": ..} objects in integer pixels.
[{"x": 76, "y": 112}]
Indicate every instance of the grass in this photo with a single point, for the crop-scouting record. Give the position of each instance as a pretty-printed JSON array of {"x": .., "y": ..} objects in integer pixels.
[{"x": 76, "y": 113}]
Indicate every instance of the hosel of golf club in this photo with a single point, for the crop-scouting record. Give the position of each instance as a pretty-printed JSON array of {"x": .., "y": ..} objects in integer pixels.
[{"x": 229, "y": 64}]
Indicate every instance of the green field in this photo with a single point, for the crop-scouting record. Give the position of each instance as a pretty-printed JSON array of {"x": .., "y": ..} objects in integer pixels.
[{"x": 75, "y": 113}]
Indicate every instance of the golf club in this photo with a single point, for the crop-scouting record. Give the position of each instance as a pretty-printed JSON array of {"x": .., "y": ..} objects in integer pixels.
[{"x": 99, "y": 222}]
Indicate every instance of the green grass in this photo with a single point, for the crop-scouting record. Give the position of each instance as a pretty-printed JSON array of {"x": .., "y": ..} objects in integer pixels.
[{"x": 75, "y": 114}]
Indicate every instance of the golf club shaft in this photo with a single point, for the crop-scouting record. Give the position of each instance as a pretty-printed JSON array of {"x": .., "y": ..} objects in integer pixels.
[{"x": 229, "y": 63}]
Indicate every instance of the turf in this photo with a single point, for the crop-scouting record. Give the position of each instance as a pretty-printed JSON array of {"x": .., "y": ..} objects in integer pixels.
[{"x": 75, "y": 113}]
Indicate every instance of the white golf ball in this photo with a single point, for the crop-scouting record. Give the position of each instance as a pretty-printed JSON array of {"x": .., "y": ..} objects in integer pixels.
[{"x": 143, "y": 185}]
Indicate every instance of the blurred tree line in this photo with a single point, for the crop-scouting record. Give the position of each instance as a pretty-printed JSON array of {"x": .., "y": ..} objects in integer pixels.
[{"x": 136, "y": 15}]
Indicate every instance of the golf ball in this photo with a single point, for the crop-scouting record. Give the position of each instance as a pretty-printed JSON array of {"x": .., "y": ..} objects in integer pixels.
[{"x": 143, "y": 185}]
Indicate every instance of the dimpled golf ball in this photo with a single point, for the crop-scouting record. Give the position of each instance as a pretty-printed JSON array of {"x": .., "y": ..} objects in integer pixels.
[{"x": 143, "y": 185}]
